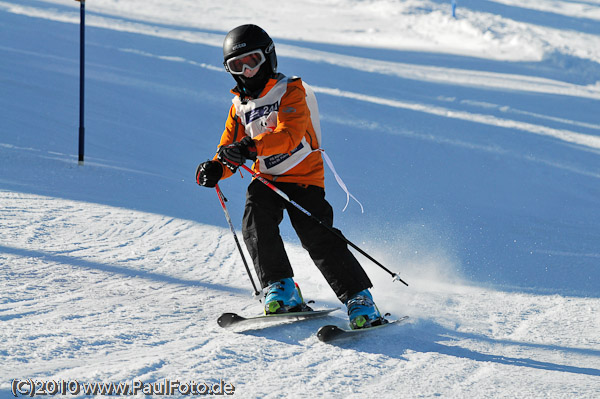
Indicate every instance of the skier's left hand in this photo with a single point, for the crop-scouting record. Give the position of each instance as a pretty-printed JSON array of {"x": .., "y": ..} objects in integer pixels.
[
  {"x": 209, "y": 173},
  {"x": 234, "y": 155}
]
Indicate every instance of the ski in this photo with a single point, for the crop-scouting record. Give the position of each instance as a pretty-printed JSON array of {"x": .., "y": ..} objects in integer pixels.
[
  {"x": 233, "y": 319},
  {"x": 330, "y": 333}
]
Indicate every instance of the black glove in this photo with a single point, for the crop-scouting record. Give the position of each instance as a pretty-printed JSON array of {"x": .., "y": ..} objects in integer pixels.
[
  {"x": 234, "y": 155},
  {"x": 209, "y": 173}
]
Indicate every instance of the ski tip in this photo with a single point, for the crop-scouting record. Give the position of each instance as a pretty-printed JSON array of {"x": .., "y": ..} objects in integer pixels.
[
  {"x": 328, "y": 332},
  {"x": 227, "y": 319},
  {"x": 331, "y": 332}
]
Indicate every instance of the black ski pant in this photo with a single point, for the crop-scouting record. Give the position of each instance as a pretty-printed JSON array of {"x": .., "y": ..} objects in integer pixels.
[{"x": 263, "y": 214}]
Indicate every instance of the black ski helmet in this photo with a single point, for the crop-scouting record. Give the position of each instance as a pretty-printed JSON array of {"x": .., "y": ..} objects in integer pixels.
[{"x": 244, "y": 39}]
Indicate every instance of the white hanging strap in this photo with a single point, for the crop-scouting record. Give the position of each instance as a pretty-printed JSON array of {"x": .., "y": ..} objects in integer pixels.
[{"x": 340, "y": 181}]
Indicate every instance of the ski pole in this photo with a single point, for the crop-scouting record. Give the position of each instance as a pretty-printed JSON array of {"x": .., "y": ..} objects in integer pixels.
[
  {"x": 222, "y": 200},
  {"x": 316, "y": 219}
]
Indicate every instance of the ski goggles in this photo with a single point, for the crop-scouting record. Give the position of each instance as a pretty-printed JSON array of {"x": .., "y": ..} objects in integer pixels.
[{"x": 250, "y": 60}]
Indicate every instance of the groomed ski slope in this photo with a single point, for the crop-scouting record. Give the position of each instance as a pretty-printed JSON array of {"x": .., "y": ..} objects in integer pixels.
[
  {"x": 99, "y": 293},
  {"x": 473, "y": 144}
]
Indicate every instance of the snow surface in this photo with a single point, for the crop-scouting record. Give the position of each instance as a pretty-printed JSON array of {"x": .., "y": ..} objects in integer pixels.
[{"x": 473, "y": 143}]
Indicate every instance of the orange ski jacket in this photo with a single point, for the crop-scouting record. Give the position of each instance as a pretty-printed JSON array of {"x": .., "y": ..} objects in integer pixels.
[{"x": 279, "y": 129}]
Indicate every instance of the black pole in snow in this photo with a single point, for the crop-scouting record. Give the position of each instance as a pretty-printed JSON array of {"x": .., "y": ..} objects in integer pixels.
[{"x": 81, "y": 82}]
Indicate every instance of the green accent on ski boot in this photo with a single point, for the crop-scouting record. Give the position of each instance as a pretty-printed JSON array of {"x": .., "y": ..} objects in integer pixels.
[
  {"x": 359, "y": 322},
  {"x": 273, "y": 307},
  {"x": 283, "y": 296},
  {"x": 362, "y": 311}
]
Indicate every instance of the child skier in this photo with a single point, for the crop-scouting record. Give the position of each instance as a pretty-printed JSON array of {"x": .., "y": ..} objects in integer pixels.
[{"x": 270, "y": 124}]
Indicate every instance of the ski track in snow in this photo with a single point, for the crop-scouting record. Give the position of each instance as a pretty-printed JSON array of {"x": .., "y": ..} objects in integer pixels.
[
  {"x": 102, "y": 293},
  {"x": 452, "y": 76},
  {"x": 486, "y": 80}
]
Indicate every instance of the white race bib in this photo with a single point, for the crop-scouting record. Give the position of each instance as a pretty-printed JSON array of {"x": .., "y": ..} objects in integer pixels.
[{"x": 259, "y": 116}]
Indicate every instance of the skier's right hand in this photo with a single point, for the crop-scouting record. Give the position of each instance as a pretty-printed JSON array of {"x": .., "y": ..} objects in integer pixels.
[{"x": 208, "y": 173}]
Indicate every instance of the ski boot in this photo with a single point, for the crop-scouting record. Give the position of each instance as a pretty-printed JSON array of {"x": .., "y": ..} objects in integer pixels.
[
  {"x": 362, "y": 311},
  {"x": 284, "y": 296}
]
